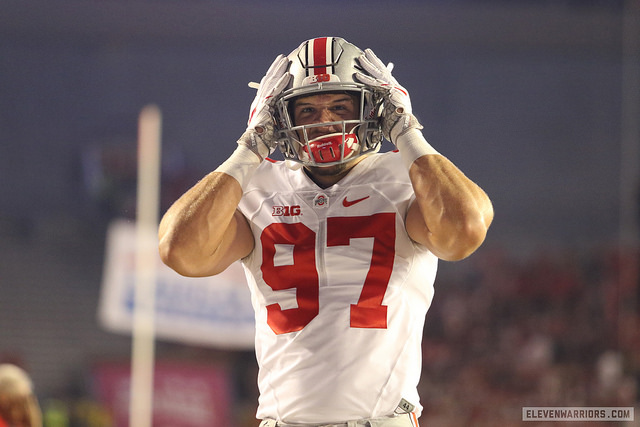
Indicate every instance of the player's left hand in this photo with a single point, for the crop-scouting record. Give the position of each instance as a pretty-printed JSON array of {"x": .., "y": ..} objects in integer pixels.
[{"x": 397, "y": 115}]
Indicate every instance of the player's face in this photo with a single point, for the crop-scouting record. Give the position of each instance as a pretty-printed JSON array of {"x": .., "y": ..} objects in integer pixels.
[{"x": 322, "y": 108}]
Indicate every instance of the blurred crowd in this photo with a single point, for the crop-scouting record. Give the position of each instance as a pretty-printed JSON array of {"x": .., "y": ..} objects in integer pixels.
[{"x": 558, "y": 328}]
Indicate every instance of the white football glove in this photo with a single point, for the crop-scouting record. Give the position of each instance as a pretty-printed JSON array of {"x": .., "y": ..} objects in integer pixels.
[
  {"x": 259, "y": 136},
  {"x": 397, "y": 117}
]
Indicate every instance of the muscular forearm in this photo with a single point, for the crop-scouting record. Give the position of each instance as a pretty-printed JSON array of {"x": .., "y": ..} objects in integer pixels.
[
  {"x": 197, "y": 231},
  {"x": 454, "y": 211}
]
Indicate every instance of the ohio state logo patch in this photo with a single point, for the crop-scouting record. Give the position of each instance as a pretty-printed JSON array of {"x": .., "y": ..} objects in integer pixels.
[{"x": 321, "y": 201}]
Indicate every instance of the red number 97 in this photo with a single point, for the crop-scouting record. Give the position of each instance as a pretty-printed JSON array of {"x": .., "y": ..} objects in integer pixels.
[{"x": 303, "y": 275}]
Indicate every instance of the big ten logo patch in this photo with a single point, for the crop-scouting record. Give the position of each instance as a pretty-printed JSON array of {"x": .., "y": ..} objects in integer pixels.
[{"x": 286, "y": 211}]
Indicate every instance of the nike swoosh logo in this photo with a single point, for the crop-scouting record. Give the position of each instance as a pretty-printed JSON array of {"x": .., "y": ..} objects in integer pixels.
[{"x": 346, "y": 203}]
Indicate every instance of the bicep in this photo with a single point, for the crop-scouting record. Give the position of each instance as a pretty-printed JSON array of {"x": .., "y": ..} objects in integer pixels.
[
  {"x": 416, "y": 227},
  {"x": 237, "y": 243}
]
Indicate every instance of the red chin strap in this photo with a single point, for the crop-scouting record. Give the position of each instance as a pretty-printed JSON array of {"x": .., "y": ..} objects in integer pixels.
[{"x": 327, "y": 148}]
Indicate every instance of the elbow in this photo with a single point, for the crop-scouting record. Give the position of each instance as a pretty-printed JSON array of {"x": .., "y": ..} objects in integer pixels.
[
  {"x": 190, "y": 262},
  {"x": 470, "y": 240},
  {"x": 170, "y": 256},
  {"x": 470, "y": 236},
  {"x": 464, "y": 245},
  {"x": 167, "y": 254},
  {"x": 175, "y": 258}
]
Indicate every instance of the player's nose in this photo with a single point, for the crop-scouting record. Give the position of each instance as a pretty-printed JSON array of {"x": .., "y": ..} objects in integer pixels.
[{"x": 326, "y": 115}]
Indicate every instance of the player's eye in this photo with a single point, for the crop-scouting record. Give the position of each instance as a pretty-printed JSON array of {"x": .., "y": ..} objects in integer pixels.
[{"x": 305, "y": 110}]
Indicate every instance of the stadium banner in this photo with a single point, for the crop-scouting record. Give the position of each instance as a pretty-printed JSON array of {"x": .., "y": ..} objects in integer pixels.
[
  {"x": 211, "y": 311},
  {"x": 185, "y": 394}
]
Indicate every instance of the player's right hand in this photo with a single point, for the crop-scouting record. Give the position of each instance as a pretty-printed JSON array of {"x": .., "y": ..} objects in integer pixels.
[{"x": 260, "y": 135}]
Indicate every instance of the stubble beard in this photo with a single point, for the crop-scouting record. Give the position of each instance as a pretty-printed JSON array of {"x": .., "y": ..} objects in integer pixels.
[{"x": 327, "y": 170}]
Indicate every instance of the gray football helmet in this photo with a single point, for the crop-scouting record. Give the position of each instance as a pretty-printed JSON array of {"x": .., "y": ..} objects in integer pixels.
[{"x": 327, "y": 64}]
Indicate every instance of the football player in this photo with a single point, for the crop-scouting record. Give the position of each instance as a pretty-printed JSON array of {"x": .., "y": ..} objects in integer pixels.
[{"x": 340, "y": 242}]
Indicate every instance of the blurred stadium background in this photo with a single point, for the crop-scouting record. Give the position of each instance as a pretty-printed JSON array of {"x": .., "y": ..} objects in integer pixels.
[{"x": 538, "y": 101}]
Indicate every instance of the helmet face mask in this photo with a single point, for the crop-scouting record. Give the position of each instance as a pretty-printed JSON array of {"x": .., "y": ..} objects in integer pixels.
[{"x": 320, "y": 66}]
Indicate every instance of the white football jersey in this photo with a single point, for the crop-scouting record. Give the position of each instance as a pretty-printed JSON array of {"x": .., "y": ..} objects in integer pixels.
[{"x": 340, "y": 292}]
